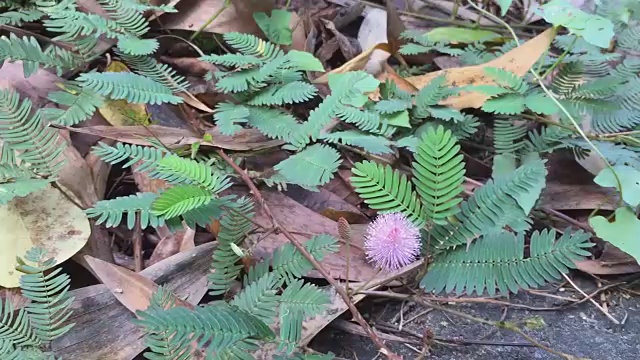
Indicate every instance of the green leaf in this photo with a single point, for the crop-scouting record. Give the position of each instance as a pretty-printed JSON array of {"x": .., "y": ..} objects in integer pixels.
[
  {"x": 460, "y": 35},
  {"x": 314, "y": 166},
  {"x": 400, "y": 119},
  {"x": 510, "y": 104},
  {"x": 504, "y": 6},
  {"x": 594, "y": 29},
  {"x": 358, "y": 82},
  {"x": 304, "y": 61},
  {"x": 503, "y": 164},
  {"x": 623, "y": 232},
  {"x": 276, "y": 27},
  {"x": 180, "y": 199},
  {"x": 629, "y": 179},
  {"x": 540, "y": 103}
]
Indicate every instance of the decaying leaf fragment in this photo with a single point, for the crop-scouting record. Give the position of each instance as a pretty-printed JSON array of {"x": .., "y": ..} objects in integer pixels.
[{"x": 46, "y": 219}]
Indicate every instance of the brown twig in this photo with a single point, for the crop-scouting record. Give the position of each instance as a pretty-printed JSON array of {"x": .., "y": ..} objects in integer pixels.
[
  {"x": 137, "y": 245},
  {"x": 382, "y": 348},
  {"x": 605, "y": 312}
]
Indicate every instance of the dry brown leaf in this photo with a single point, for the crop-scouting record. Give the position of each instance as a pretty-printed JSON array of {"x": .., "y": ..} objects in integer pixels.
[
  {"x": 185, "y": 274},
  {"x": 133, "y": 290},
  {"x": 613, "y": 261},
  {"x": 518, "y": 61},
  {"x": 298, "y": 219},
  {"x": 35, "y": 87},
  {"x": 192, "y": 14},
  {"x": 578, "y": 197},
  {"x": 357, "y": 63},
  {"x": 244, "y": 140},
  {"x": 328, "y": 205}
]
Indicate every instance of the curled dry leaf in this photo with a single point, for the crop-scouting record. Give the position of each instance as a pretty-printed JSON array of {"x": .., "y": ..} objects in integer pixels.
[
  {"x": 185, "y": 274},
  {"x": 518, "y": 61},
  {"x": 359, "y": 62},
  {"x": 133, "y": 290},
  {"x": 45, "y": 219},
  {"x": 244, "y": 140},
  {"x": 613, "y": 261}
]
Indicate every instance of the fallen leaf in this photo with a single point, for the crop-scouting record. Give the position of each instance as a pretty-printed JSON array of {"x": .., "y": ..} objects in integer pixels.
[
  {"x": 358, "y": 63},
  {"x": 121, "y": 112},
  {"x": 622, "y": 232},
  {"x": 629, "y": 180},
  {"x": 244, "y": 140},
  {"x": 455, "y": 35},
  {"x": 192, "y": 14},
  {"x": 46, "y": 219},
  {"x": 296, "y": 218},
  {"x": 578, "y": 197},
  {"x": 185, "y": 274},
  {"x": 36, "y": 87},
  {"x": 327, "y": 204},
  {"x": 131, "y": 289},
  {"x": 77, "y": 176},
  {"x": 613, "y": 261},
  {"x": 518, "y": 61}
]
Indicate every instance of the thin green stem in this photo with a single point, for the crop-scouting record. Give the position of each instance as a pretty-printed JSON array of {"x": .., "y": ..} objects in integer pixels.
[
  {"x": 226, "y": 4},
  {"x": 559, "y": 60}
]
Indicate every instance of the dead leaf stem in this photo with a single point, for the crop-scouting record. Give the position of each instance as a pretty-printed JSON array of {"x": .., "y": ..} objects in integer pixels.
[{"x": 382, "y": 348}]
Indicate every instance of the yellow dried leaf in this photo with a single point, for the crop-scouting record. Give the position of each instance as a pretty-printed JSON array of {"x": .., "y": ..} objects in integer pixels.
[
  {"x": 359, "y": 62},
  {"x": 121, "y": 112},
  {"x": 518, "y": 61},
  {"x": 45, "y": 219}
]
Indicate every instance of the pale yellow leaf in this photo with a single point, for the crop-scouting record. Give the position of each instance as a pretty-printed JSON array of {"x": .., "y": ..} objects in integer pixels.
[
  {"x": 45, "y": 219},
  {"x": 360, "y": 62},
  {"x": 518, "y": 61},
  {"x": 121, "y": 112}
]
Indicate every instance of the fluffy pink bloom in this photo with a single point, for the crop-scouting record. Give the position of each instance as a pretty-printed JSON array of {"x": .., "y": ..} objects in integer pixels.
[{"x": 392, "y": 241}]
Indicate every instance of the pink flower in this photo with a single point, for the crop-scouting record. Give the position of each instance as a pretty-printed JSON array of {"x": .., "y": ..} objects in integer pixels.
[{"x": 392, "y": 241}]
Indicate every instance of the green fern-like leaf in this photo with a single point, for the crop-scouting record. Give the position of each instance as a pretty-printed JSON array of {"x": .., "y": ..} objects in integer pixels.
[
  {"x": 111, "y": 212},
  {"x": 438, "y": 174},
  {"x": 507, "y": 79},
  {"x": 507, "y": 136},
  {"x": 311, "y": 167},
  {"x": 81, "y": 105},
  {"x": 498, "y": 261},
  {"x": 260, "y": 298},
  {"x": 298, "y": 301},
  {"x": 289, "y": 264},
  {"x": 498, "y": 203},
  {"x": 292, "y": 93},
  {"x": 177, "y": 170},
  {"x": 20, "y": 16},
  {"x": 49, "y": 306},
  {"x": 216, "y": 328},
  {"x": 180, "y": 199},
  {"x": 160, "y": 73},
  {"x": 20, "y": 187},
  {"x": 234, "y": 226},
  {"x": 132, "y": 154},
  {"x": 386, "y": 190},
  {"x": 26, "y": 133},
  {"x": 429, "y": 97},
  {"x": 15, "y": 327},
  {"x": 347, "y": 90},
  {"x": 509, "y": 104},
  {"x": 28, "y": 50},
  {"x": 128, "y": 86},
  {"x": 370, "y": 143}
]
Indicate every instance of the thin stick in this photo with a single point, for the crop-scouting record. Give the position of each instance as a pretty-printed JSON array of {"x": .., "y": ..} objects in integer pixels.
[
  {"x": 592, "y": 301},
  {"x": 382, "y": 348},
  {"x": 137, "y": 245}
]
